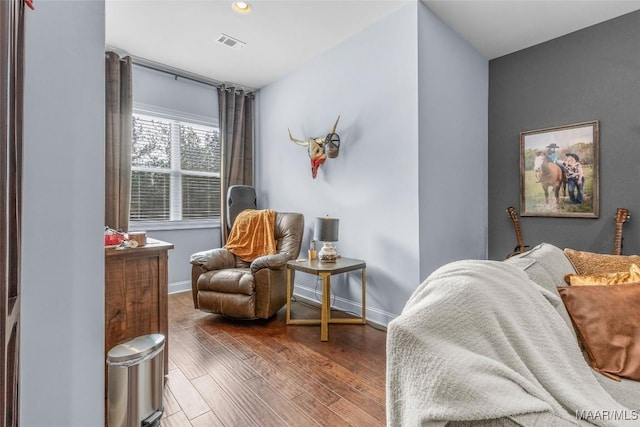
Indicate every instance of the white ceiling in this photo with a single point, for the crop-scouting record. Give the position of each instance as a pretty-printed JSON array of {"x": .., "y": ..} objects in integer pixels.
[
  {"x": 282, "y": 35},
  {"x": 496, "y": 28}
]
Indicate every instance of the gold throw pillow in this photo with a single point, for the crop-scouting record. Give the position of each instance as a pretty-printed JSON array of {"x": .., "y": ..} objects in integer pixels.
[
  {"x": 599, "y": 279},
  {"x": 592, "y": 263}
]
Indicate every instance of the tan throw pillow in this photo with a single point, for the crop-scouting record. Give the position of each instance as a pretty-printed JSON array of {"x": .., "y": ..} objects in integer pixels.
[
  {"x": 592, "y": 263},
  {"x": 607, "y": 319},
  {"x": 599, "y": 279}
]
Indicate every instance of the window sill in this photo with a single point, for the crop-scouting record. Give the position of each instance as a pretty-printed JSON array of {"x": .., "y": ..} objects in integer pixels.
[{"x": 172, "y": 225}]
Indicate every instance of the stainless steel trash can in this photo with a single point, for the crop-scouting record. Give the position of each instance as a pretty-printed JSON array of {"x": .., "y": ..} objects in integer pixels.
[{"x": 135, "y": 380}]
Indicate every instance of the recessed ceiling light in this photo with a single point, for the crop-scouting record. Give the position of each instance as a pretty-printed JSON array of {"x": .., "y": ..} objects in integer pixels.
[{"x": 241, "y": 7}]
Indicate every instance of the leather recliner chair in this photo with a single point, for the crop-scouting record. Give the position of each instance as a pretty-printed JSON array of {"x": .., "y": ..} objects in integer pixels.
[{"x": 223, "y": 283}]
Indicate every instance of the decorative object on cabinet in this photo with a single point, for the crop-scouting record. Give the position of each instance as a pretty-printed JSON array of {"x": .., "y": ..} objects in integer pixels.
[{"x": 326, "y": 231}]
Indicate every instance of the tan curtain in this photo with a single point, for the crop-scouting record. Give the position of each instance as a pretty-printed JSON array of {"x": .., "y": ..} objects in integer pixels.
[
  {"x": 118, "y": 141},
  {"x": 235, "y": 108}
]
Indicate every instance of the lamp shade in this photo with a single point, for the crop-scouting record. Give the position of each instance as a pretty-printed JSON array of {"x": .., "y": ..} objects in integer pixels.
[{"x": 326, "y": 229}]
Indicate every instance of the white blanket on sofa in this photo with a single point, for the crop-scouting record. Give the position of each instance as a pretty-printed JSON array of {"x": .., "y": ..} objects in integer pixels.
[{"x": 478, "y": 340}]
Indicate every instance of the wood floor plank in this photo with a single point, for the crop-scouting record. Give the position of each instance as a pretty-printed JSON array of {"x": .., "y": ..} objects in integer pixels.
[
  {"x": 171, "y": 405},
  {"x": 345, "y": 339},
  {"x": 319, "y": 411},
  {"x": 356, "y": 415},
  {"x": 287, "y": 410},
  {"x": 361, "y": 383},
  {"x": 178, "y": 419},
  {"x": 207, "y": 420},
  {"x": 292, "y": 370},
  {"x": 183, "y": 316},
  {"x": 266, "y": 373},
  {"x": 324, "y": 371},
  {"x": 278, "y": 379},
  {"x": 185, "y": 393},
  {"x": 182, "y": 355},
  {"x": 230, "y": 412},
  {"x": 371, "y": 404},
  {"x": 241, "y": 392},
  {"x": 220, "y": 353},
  {"x": 172, "y": 364},
  {"x": 232, "y": 344}
]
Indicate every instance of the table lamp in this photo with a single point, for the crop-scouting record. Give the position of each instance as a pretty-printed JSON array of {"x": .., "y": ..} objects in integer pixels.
[{"x": 326, "y": 231}]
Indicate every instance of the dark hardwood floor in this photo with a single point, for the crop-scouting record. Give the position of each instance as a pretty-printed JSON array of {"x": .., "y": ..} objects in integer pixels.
[{"x": 264, "y": 373}]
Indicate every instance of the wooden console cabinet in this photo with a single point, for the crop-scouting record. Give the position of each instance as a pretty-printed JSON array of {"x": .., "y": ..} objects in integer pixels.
[{"x": 136, "y": 290}]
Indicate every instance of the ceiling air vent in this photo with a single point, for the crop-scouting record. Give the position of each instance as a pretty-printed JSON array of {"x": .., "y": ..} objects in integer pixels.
[{"x": 230, "y": 41}]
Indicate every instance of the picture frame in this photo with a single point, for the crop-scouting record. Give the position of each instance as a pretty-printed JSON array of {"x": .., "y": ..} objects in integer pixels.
[{"x": 554, "y": 156}]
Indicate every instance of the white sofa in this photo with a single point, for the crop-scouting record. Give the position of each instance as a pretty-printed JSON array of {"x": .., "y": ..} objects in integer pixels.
[{"x": 490, "y": 343}]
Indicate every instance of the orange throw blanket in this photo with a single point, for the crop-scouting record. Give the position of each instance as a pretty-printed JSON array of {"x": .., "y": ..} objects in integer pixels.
[{"x": 252, "y": 234}]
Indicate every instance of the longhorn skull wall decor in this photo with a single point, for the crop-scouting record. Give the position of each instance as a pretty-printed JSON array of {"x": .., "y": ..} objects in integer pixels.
[{"x": 321, "y": 147}]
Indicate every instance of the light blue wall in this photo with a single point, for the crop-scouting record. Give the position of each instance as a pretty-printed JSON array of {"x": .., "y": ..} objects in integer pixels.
[
  {"x": 410, "y": 183},
  {"x": 453, "y": 88},
  {"x": 62, "y": 329},
  {"x": 372, "y": 186},
  {"x": 185, "y": 242},
  {"x": 370, "y": 80},
  {"x": 159, "y": 89}
]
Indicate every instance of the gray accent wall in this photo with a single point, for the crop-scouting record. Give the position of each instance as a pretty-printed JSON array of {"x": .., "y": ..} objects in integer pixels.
[{"x": 591, "y": 74}]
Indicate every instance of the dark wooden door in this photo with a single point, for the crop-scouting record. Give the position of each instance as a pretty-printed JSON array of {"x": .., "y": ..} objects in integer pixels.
[{"x": 11, "y": 111}]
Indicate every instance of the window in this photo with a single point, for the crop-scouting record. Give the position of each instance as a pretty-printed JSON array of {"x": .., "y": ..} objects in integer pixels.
[{"x": 175, "y": 168}]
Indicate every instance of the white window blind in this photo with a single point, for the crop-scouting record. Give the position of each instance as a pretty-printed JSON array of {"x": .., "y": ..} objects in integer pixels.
[{"x": 175, "y": 170}]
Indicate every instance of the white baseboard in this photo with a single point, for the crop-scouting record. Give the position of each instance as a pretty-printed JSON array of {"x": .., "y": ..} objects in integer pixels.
[
  {"x": 176, "y": 287},
  {"x": 374, "y": 315}
]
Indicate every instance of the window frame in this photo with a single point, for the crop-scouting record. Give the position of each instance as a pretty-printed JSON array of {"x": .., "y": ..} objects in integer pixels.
[{"x": 175, "y": 171}]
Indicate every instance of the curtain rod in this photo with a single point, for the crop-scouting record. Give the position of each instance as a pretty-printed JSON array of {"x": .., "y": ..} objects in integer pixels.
[{"x": 178, "y": 73}]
